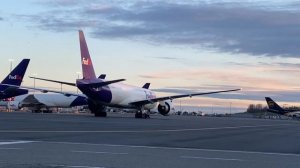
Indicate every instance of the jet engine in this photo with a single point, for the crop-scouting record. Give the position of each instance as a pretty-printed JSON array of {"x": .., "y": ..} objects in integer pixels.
[{"x": 164, "y": 107}]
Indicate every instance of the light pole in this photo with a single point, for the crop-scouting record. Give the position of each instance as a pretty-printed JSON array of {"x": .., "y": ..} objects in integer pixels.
[
  {"x": 230, "y": 107},
  {"x": 34, "y": 76},
  {"x": 78, "y": 77},
  {"x": 180, "y": 106},
  {"x": 11, "y": 64}
]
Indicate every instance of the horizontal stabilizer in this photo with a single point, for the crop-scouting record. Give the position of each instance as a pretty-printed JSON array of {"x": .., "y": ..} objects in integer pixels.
[
  {"x": 44, "y": 90},
  {"x": 105, "y": 83},
  {"x": 55, "y": 81}
]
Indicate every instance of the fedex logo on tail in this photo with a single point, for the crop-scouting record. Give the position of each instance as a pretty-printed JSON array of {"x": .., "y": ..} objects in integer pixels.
[
  {"x": 15, "y": 77},
  {"x": 85, "y": 61},
  {"x": 271, "y": 103}
]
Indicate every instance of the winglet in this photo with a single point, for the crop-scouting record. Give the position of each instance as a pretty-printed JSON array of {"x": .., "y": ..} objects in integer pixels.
[
  {"x": 86, "y": 61},
  {"x": 15, "y": 77},
  {"x": 146, "y": 86},
  {"x": 102, "y": 76}
]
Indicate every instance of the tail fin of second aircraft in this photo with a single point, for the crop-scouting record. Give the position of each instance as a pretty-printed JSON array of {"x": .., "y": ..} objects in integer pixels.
[
  {"x": 86, "y": 61},
  {"x": 273, "y": 106},
  {"x": 15, "y": 77}
]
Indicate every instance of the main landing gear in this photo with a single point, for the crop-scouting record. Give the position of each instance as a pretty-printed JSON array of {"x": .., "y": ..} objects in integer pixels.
[
  {"x": 142, "y": 114},
  {"x": 96, "y": 109},
  {"x": 100, "y": 114}
]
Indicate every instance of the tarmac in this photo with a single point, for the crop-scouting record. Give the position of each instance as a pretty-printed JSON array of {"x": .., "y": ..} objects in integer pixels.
[{"x": 121, "y": 141}]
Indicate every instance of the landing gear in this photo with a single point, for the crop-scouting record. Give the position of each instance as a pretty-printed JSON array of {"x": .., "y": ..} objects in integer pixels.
[
  {"x": 142, "y": 114},
  {"x": 100, "y": 114},
  {"x": 96, "y": 109}
]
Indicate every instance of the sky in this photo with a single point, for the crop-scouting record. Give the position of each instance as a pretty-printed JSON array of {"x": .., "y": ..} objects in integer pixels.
[{"x": 179, "y": 46}]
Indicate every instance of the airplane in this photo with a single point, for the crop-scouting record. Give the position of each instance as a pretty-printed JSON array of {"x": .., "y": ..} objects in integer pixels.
[
  {"x": 275, "y": 108},
  {"x": 44, "y": 102},
  {"x": 14, "y": 78},
  {"x": 103, "y": 93}
]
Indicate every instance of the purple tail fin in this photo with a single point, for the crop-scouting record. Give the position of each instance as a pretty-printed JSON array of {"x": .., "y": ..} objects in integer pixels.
[
  {"x": 15, "y": 77},
  {"x": 86, "y": 61}
]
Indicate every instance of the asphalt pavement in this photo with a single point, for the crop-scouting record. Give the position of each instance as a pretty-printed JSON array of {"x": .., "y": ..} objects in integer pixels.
[{"x": 121, "y": 141}]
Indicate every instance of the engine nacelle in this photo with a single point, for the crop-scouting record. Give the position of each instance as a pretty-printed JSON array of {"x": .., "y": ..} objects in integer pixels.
[
  {"x": 164, "y": 107},
  {"x": 15, "y": 105}
]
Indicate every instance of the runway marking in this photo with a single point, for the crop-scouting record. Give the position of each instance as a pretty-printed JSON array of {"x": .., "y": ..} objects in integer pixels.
[
  {"x": 15, "y": 142},
  {"x": 93, "y": 152},
  {"x": 209, "y": 158},
  {"x": 11, "y": 148},
  {"x": 141, "y": 131},
  {"x": 75, "y": 166},
  {"x": 177, "y": 148}
]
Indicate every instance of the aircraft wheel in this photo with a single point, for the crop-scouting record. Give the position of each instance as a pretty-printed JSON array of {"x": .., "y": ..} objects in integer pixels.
[
  {"x": 138, "y": 115},
  {"x": 101, "y": 114},
  {"x": 142, "y": 115},
  {"x": 145, "y": 116}
]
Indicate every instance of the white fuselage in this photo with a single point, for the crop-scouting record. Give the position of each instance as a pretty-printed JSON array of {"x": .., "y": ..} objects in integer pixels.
[
  {"x": 123, "y": 95},
  {"x": 46, "y": 100}
]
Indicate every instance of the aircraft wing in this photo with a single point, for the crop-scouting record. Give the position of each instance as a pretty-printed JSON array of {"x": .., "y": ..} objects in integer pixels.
[
  {"x": 55, "y": 81},
  {"x": 147, "y": 101}
]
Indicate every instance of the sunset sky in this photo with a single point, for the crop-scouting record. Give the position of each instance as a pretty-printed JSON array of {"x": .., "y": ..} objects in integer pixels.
[{"x": 179, "y": 46}]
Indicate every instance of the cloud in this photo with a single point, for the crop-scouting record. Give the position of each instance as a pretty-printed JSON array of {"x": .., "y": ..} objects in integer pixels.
[
  {"x": 1, "y": 18},
  {"x": 288, "y": 96},
  {"x": 150, "y": 76},
  {"x": 251, "y": 28},
  {"x": 257, "y": 81},
  {"x": 167, "y": 58},
  {"x": 58, "y": 3}
]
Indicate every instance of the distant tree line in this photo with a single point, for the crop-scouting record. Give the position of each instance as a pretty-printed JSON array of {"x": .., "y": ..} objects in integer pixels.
[
  {"x": 292, "y": 108},
  {"x": 256, "y": 108}
]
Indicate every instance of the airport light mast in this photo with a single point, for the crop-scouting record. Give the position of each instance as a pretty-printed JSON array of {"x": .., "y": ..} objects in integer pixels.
[
  {"x": 11, "y": 63},
  {"x": 78, "y": 77},
  {"x": 34, "y": 75}
]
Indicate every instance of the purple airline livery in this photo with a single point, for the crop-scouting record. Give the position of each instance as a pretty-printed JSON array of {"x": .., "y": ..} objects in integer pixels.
[
  {"x": 14, "y": 78},
  {"x": 103, "y": 93}
]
